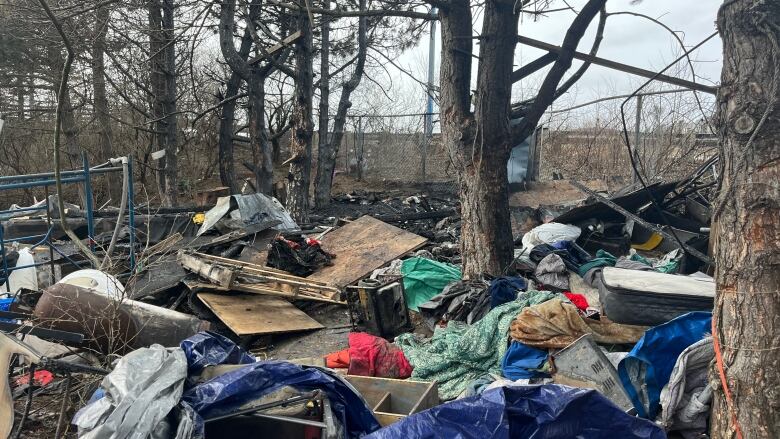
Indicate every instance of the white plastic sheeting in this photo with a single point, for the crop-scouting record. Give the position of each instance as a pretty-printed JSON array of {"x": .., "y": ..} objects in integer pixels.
[
  {"x": 550, "y": 233},
  {"x": 143, "y": 388},
  {"x": 249, "y": 209}
]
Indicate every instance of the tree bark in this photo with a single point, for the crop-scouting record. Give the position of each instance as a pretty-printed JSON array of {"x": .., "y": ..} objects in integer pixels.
[
  {"x": 326, "y": 159},
  {"x": 746, "y": 223},
  {"x": 100, "y": 100},
  {"x": 157, "y": 86},
  {"x": 298, "y": 180},
  {"x": 227, "y": 117},
  {"x": 479, "y": 143},
  {"x": 255, "y": 76},
  {"x": 324, "y": 151},
  {"x": 169, "y": 103},
  {"x": 68, "y": 126},
  {"x": 262, "y": 154}
]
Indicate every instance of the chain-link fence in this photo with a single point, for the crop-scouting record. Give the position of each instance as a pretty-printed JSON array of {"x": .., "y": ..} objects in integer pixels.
[{"x": 394, "y": 150}]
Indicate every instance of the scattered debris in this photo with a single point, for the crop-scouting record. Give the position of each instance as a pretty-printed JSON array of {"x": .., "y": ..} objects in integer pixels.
[
  {"x": 361, "y": 247},
  {"x": 113, "y": 326},
  {"x": 386, "y": 306},
  {"x": 255, "y": 314},
  {"x": 392, "y": 400}
]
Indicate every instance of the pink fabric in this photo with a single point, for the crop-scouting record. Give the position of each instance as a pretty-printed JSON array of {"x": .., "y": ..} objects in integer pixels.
[{"x": 374, "y": 356}]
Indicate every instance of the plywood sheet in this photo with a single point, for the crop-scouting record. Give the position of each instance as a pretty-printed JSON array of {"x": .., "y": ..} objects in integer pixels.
[
  {"x": 253, "y": 314},
  {"x": 361, "y": 247}
]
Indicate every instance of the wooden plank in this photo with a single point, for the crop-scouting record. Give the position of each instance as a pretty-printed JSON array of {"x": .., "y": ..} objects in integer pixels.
[
  {"x": 619, "y": 66},
  {"x": 361, "y": 247},
  {"x": 260, "y": 289},
  {"x": 293, "y": 37},
  {"x": 252, "y": 314},
  {"x": 249, "y": 267},
  {"x": 533, "y": 66}
]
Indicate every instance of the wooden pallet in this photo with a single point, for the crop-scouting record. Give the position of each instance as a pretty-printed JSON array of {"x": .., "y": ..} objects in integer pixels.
[{"x": 252, "y": 278}]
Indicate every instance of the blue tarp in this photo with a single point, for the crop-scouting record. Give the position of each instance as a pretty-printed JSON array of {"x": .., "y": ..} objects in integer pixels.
[
  {"x": 5, "y": 305},
  {"x": 549, "y": 411},
  {"x": 520, "y": 360},
  {"x": 209, "y": 349},
  {"x": 649, "y": 365},
  {"x": 227, "y": 392},
  {"x": 504, "y": 289}
]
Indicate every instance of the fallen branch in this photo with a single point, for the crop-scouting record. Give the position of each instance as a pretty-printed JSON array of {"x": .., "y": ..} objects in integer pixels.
[{"x": 61, "y": 94}]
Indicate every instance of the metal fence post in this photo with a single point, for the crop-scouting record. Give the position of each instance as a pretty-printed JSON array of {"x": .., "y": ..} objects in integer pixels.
[
  {"x": 88, "y": 199},
  {"x": 131, "y": 211}
]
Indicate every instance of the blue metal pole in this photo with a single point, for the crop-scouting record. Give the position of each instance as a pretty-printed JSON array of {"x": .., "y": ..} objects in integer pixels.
[
  {"x": 88, "y": 196},
  {"x": 44, "y": 175},
  {"x": 131, "y": 211},
  {"x": 41, "y": 183}
]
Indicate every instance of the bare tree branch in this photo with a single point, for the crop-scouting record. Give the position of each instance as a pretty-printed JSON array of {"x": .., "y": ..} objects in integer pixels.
[{"x": 61, "y": 95}]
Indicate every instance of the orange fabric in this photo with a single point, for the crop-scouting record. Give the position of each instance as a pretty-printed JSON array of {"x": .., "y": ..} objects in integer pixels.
[{"x": 338, "y": 360}]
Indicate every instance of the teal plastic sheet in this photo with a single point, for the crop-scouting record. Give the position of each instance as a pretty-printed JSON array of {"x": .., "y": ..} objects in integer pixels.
[{"x": 425, "y": 278}]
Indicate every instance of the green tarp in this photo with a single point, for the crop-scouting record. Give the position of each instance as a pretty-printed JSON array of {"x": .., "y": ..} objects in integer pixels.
[
  {"x": 458, "y": 354},
  {"x": 425, "y": 278}
]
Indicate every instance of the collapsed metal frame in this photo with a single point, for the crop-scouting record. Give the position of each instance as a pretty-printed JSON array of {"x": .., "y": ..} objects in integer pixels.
[{"x": 45, "y": 180}]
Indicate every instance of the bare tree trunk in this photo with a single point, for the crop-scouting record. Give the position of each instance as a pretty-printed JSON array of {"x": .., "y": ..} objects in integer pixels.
[
  {"x": 746, "y": 223},
  {"x": 67, "y": 119},
  {"x": 255, "y": 77},
  {"x": 100, "y": 100},
  {"x": 170, "y": 97},
  {"x": 262, "y": 154},
  {"x": 479, "y": 144},
  {"x": 20, "y": 98},
  {"x": 301, "y": 122},
  {"x": 227, "y": 117},
  {"x": 484, "y": 185},
  {"x": 227, "y": 167},
  {"x": 324, "y": 150},
  {"x": 157, "y": 85},
  {"x": 326, "y": 160},
  {"x": 70, "y": 132}
]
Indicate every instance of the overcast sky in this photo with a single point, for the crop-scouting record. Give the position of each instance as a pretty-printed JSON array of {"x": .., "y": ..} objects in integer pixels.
[{"x": 627, "y": 39}]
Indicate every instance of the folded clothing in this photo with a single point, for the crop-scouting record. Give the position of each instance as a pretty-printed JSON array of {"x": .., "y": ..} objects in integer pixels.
[{"x": 522, "y": 362}]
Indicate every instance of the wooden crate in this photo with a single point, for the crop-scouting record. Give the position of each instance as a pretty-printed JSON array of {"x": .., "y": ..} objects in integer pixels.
[{"x": 391, "y": 399}]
